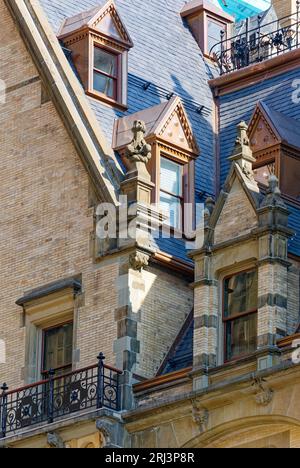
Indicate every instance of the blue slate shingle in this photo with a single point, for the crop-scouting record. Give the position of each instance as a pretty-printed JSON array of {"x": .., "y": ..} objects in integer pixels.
[
  {"x": 279, "y": 93},
  {"x": 166, "y": 54},
  {"x": 181, "y": 353}
]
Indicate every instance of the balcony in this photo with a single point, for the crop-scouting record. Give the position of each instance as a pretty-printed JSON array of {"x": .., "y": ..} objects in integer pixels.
[
  {"x": 253, "y": 46},
  {"x": 58, "y": 397}
]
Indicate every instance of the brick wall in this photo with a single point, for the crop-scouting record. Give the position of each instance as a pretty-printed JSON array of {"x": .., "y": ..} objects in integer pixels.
[
  {"x": 46, "y": 219},
  {"x": 166, "y": 303},
  {"x": 237, "y": 207},
  {"x": 46, "y": 225}
]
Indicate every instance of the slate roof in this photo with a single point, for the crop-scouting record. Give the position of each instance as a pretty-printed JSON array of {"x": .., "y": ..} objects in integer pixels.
[
  {"x": 180, "y": 355},
  {"x": 287, "y": 127},
  {"x": 166, "y": 55}
]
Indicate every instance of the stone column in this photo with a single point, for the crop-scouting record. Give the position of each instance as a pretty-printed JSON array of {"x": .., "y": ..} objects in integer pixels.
[
  {"x": 137, "y": 248},
  {"x": 206, "y": 306},
  {"x": 273, "y": 235}
]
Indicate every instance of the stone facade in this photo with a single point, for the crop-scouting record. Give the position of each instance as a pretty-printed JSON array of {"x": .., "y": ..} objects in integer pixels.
[
  {"x": 124, "y": 300},
  {"x": 51, "y": 229}
]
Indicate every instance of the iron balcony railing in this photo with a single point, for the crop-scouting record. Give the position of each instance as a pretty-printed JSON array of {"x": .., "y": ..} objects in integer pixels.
[
  {"x": 253, "y": 46},
  {"x": 56, "y": 397}
]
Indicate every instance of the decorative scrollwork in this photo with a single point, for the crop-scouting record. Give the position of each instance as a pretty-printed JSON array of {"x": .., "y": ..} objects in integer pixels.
[
  {"x": 95, "y": 387},
  {"x": 257, "y": 45}
]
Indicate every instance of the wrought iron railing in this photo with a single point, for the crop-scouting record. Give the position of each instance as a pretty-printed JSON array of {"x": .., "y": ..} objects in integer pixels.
[
  {"x": 252, "y": 46},
  {"x": 56, "y": 397}
]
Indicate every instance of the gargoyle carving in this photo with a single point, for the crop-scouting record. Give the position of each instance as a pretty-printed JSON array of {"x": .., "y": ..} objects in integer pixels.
[
  {"x": 273, "y": 196},
  {"x": 138, "y": 261},
  {"x": 263, "y": 394},
  {"x": 200, "y": 415},
  {"x": 55, "y": 441},
  {"x": 138, "y": 150}
]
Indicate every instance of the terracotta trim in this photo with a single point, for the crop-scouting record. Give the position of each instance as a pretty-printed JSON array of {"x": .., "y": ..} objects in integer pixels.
[
  {"x": 196, "y": 7},
  {"x": 294, "y": 257},
  {"x": 255, "y": 73},
  {"x": 161, "y": 380},
  {"x": 288, "y": 341},
  {"x": 173, "y": 263}
]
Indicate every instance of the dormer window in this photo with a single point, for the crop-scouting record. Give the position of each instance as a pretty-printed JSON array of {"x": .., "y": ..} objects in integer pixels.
[
  {"x": 214, "y": 33},
  {"x": 172, "y": 166},
  {"x": 99, "y": 43},
  {"x": 208, "y": 23},
  {"x": 275, "y": 143}
]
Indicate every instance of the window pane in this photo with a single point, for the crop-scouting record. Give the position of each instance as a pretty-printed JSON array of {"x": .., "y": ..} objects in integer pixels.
[
  {"x": 172, "y": 207},
  {"x": 105, "y": 62},
  {"x": 171, "y": 177},
  {"x": 58, "y": 347},
  {"x": 214, "y": 34},
  {"x": 241, "y": 293},
  {"x": 104, "y": 85},
  {"x": 241, "y": 336}
]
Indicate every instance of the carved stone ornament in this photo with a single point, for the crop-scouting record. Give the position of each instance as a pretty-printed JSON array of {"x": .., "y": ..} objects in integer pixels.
[
  {"x": 263, "y": 394},
  {"x": 55, "y": 441},
  {"x": 242, "y": 142},
  {"x": 273, "y": 196},
  {"x": 200, "y": 415},
  {"x": 242, "y": 153},
  {"x": 138, "y": 261},
  {"x": 106, "y": 439},
  {"x": 139, "y": 150}
]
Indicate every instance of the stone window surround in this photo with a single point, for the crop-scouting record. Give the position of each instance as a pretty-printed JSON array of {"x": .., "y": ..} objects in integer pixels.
[
  {"x": 221, "y": 275},
  {"x": 237, "y": 316},
  {"x": 43, "y": 308}
]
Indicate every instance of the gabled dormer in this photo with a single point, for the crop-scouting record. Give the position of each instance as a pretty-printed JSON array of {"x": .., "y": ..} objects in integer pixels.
[
  {"x": 275, "y": 142},
  {"x": 99, "y": 42},
  {"x": 174, "y": 150},
  {"x": 208, "y": 23}
]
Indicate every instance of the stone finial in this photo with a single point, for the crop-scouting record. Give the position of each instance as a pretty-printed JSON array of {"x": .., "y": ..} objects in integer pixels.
[
  {"x": 242, "y": 153},
  {"x": 138, "y": 150},
  {"x": 242, "y": 142},
  {"x": 273, "y": 195}
]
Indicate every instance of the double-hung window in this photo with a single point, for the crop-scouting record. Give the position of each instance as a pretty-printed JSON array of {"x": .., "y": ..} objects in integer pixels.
[
  {"x": 58, "y": 349},
  {"x": 214, "y": 30},
  {"x": 171, "y": 191},
  {"x": 106, "y": 73},
  {"x": 240, "y": 314}
]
